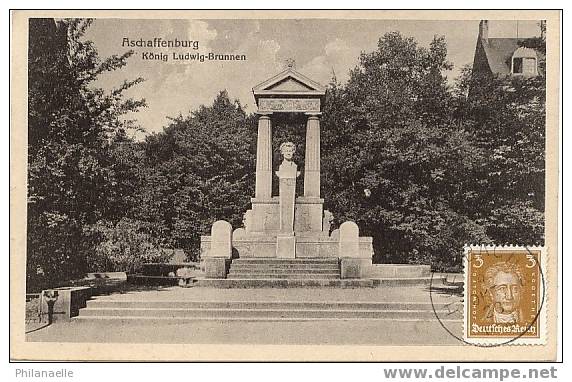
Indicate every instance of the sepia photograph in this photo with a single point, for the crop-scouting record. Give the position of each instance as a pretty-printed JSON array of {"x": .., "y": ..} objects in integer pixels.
[{"x": 311, "y": 180}]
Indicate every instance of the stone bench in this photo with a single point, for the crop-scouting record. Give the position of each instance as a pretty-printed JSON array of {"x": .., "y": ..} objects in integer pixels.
[
  {"x": 164, "y": 269},
  {"x": 119, "y": 276}
]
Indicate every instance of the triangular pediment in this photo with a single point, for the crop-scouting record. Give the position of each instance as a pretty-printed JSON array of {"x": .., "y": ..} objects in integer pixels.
[
  {"x": 289, "y": 81},
  {"x": 290, "y": 84}
]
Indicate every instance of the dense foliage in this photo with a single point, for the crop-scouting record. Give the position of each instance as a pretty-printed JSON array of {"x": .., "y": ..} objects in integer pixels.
[
  {"x": 506, "y": 120},
  {"x": 74, "y": 180},
  {"x": 420, "y": 165},
  {"x": 425, "y": 168},
  {"x": 390, "y": 133},
  {"x": 199, "y": 170}
]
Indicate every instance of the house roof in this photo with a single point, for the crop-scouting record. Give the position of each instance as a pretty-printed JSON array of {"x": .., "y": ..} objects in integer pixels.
[
  {"x": 499, "y": 52},
  {"x": 524, "y": 52}
]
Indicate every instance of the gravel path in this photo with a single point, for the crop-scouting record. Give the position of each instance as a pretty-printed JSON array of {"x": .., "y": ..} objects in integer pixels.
[{"x": 355, "y": 332}]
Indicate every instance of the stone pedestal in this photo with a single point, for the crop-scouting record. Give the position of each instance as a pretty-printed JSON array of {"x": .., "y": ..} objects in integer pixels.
[
  {"x": 217, "y": 259},
  {"x": 249, "y": 245},
  {"x": 285, "y": 241},
  {"x": 286, "y": 247},
  {"x": 354, "y": 263},
  {"x": 354, "y": 268},
  {"x": 216, "y": 267},
  {"x": 66, "y": 302},
  {"x": 265, "y": 215},
  {"x": 308, "y": 215},
  {"x": 287, "y": 195}
]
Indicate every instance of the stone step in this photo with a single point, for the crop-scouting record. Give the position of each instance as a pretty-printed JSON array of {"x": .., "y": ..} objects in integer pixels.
[
  {"x": 296, "y": 267},
  {"x": 405, "y": 281},
  {"x": 113, "y": 320},
  {"x": 284, "y": 283},
  {"x": 290, "y": 276},
  {"x": 270, "y": 260},
  {"x": 254, "y": 305},
  {"x": 234, "y": 270},
  {"x": 263, "y": 313}
]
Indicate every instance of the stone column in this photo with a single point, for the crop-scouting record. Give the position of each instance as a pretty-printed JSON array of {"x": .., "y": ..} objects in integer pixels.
[
  {"x": 263, "y": 188},
  {"x": 312, "y": 167}
]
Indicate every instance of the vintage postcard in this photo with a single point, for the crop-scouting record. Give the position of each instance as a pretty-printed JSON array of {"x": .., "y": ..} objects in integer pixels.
[{"x": 292, "y": 185}]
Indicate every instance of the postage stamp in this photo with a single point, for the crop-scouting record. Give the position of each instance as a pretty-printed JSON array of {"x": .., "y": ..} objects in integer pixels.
[{"x": 504, "y": 295}]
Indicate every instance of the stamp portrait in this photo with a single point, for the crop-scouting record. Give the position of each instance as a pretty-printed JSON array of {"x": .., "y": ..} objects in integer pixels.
[{"x": 504, "y": 295}]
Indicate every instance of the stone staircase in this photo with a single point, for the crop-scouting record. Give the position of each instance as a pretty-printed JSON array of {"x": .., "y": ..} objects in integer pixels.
[
  {"x": 284, "y": 269},
  {"x": 105, "y": 309},
  {"x": 284, "y": 273},
  {"x": 173, "y": 305},
  {"x": 313, "y": 272}
]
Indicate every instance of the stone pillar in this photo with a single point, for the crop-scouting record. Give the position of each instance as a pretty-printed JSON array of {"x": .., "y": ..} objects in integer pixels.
[
  {"x": 217, "y": 261},
  {"x": 221, "y": 239},
  {"x": 263, "y": 188},
  {"x": 286, "y": 197},
  {"x": 349, "y": 240},
  {"x": 286, "y": 241},
  {"x": 352, "y": 265},
  {"x": 312, "y": 167}
]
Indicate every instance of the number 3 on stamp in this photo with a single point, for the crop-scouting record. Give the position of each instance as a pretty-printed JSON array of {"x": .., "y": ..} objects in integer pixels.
[{"x": 504, "y": 295}]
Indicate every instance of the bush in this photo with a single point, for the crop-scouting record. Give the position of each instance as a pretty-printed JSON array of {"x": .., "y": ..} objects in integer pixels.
[{"x": 125, "y": 246}]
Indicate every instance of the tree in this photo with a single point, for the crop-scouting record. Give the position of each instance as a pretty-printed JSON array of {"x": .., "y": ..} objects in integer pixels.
[
  {"x": 72, "y": 177},
  {"x": 417, "y": 164},
  {"x": 506, "y": 118},
  {"x": 199, "y": 170},
  {"x": 395, "y": 158}
]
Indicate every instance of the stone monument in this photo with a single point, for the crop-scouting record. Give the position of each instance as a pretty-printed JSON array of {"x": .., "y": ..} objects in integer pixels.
[{"x": 286, "y": 225}]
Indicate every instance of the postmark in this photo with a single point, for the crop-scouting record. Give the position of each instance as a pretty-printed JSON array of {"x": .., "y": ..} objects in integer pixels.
[{"x": 504, "y": 295}]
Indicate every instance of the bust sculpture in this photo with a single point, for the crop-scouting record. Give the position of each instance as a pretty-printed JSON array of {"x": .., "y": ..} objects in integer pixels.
[{"x": 288, "y": 169}]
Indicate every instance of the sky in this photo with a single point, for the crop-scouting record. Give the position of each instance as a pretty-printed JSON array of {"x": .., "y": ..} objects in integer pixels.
[{"x": 320, "y": 48}]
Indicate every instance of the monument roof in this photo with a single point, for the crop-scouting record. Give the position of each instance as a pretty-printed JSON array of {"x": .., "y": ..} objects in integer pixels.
[{"x": 289, "y": 82}]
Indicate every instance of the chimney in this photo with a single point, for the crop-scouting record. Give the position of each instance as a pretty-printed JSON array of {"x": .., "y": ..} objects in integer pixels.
[
  {"x": 543, "y": 29},
  {"x": 484, "y": 29}
]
